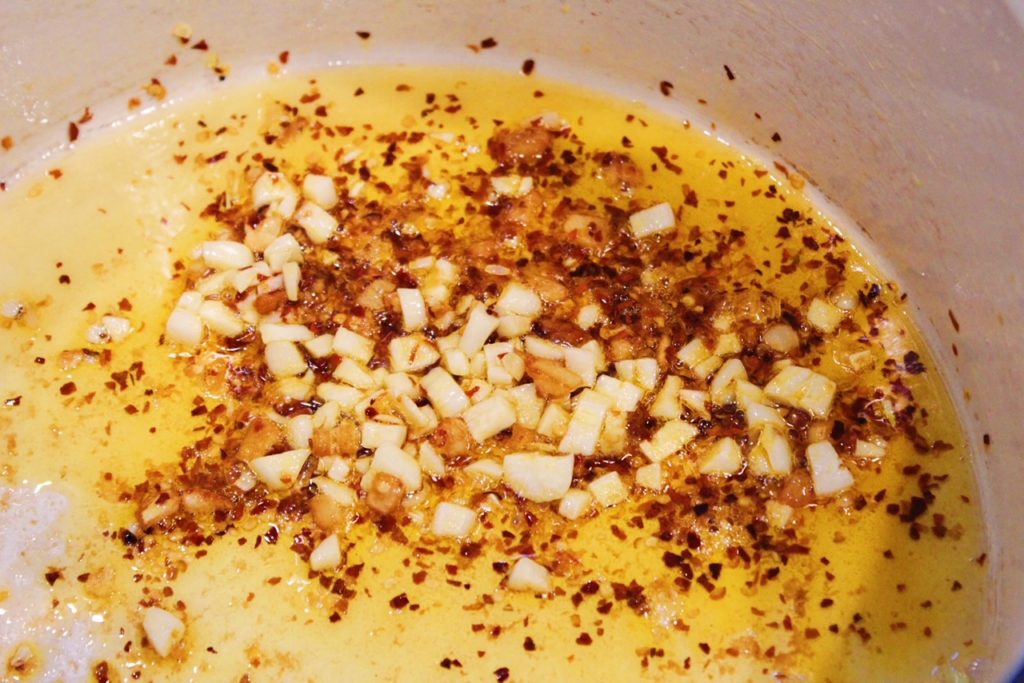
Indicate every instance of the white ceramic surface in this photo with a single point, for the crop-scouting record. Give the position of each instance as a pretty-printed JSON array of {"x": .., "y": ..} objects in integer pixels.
[{"x": 910, "y": 116}]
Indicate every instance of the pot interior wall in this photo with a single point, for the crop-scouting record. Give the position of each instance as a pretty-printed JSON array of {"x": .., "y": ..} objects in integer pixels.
[{"x": 909, "y": 116}]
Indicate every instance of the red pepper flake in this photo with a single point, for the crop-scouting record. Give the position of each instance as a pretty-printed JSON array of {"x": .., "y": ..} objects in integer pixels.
[
  {"x": 419, "y": 577},
  {"x": 666, "y": 88},
  {"x": 704, "y": 647},
  {"x": 363, "y": 35},
  {"x": 283, "y": 57},
  {"x": 124, "y": 304},
  {"x": 501, "y": 674},
  {"x": 584, "y": 639},
  {"x": 219, "y": 156},
  {"x": 7, "y": 142},
  {"x": 528, "y": 644},
  {"x": 131, "y": 409},
  {"x": 811, "y": 633},
  {"x": 72, "y": 131},
  {"x": 729, "y": 73},
  {"x": 171, "y": 61},
  {"x": 776, "y": 137},
  {"x": 13, "y": 402},
  {"x": 83, "y": 578},
  {"x": 68, "y": 388},
  {"x": 986, "y": 439},
  {"x": 53, "y": 575},
  {"x": 399, "y": 601},
  {"x": 55, "y": 173},
  {"x": 101, "y": 672},
  {"x": 358, "y": 92},
  {"x": 201, "y": 45},
  {"x": 528, "y": 67},
  {"x": 488, "y": 43},
  {"x": 952, "y": 319}
]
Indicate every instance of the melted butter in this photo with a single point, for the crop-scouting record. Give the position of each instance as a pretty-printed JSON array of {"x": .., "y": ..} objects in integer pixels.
[{"x": 125, "y": 211}]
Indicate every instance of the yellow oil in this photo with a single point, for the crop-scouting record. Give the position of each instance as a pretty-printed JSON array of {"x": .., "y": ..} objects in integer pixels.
[{"x": 123, "y": 212}]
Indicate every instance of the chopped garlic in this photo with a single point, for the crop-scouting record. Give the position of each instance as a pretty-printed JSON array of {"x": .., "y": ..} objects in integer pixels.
[
  {"x": 624, "y": 395},
  {"x": 724, "y": 457},
  {"x": 666, "y": 404},
  {"x": 650, "y": 476},
  {"x": 444, "y": 393},
  {"x": 185, "y": 327},
  {"x": 354, "y": 373},
  {"x": 586, "y": 361},
  {"x": 276, "y": 332},
  {"x": 342, "y": 395},
  {"x": 542, "y": 348},
  {"x": 353, "y": 345},
  {"x": 608, "y": 489},
  {"x": 827, "y": 472},
  {"x": 728, "y": 345},
  {"x": 696, "y": 401},
  {"x": 411, "y": 353},
  {"x": 430, "y": 461},
  {"x": 319, "y": 347},
  {"x": 479, "y": 326},
  {"x": 414, "y": 309},
  {"x": 760, "y": 416},
  {"x": 642, "y": 372},
  {"x": 575, "y": 503},
  {"x": 652, "y": 220},
  {"x": 219, "y": 318},
  {"x": 554, "y": 421},
  {"x": 281, "y": 470},
  {"x": 339, "y": 493},
  {"x": 284, "y": 359},
  {"x": 275, "y": 190},
  {"x": 284, "y": 249},
  {"x": 226, "y": 255},
  {"x": 516, "y": 299},
  {"x": 802, "y": 388},
  {"x": 326, "y": 555},
  {"x": 390, "y": 459},
  {"x": 693, "y": 353},
  {"x": 455, "y": 362},
  {"x": 513, "y": 326},
  {"x": 585, "y": 425},
  {"x": 375, "y": 434},
  {"x": 486, "y": 469},
  {"x": 527, "y": 575},
  {"x": 453, "y": 520},
  {"x": 318, "y": 224},
  {"x": 722, "y": 388},
  {"x": 300, "y": 431},
  {"x": 588, "y": 316},
  {"x": 512, "y": 185},
  {"x": 490, "y": 416},
  {"x": 320, "y": 190},
  {"x": 824, "y": 316},
  {"x": 771, "y": 454},
  {"x": 292, "y": 277},
  {"x": 538, "y": 477},
  {"x": 529, "y": 406},
  {"x": 778, "y": 514},
  {"x": 869, "y": 449},
  {"x": 163, "y": 630},
  {"x": 671, "y": 438}
]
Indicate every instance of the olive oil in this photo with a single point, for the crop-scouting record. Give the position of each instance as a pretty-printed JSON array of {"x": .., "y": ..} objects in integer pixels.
[{"x": 854, "y": 598}]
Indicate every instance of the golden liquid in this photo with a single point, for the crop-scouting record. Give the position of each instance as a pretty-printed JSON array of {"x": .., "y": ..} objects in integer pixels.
[{"x": 125, "y": 210}]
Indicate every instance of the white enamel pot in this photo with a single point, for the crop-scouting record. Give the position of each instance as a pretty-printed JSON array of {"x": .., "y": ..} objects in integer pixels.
[{"x": 910, "y": 116}]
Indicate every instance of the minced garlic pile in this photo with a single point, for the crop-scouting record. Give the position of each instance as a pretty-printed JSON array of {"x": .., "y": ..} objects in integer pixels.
[{"x": 391, "y": 352}]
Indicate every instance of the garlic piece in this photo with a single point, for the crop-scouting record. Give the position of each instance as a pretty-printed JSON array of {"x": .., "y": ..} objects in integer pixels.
[
  {"x": 527, "y": 575},
  {"x": 163, "y": 630},
  {"x": 538, "y": 477}
]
